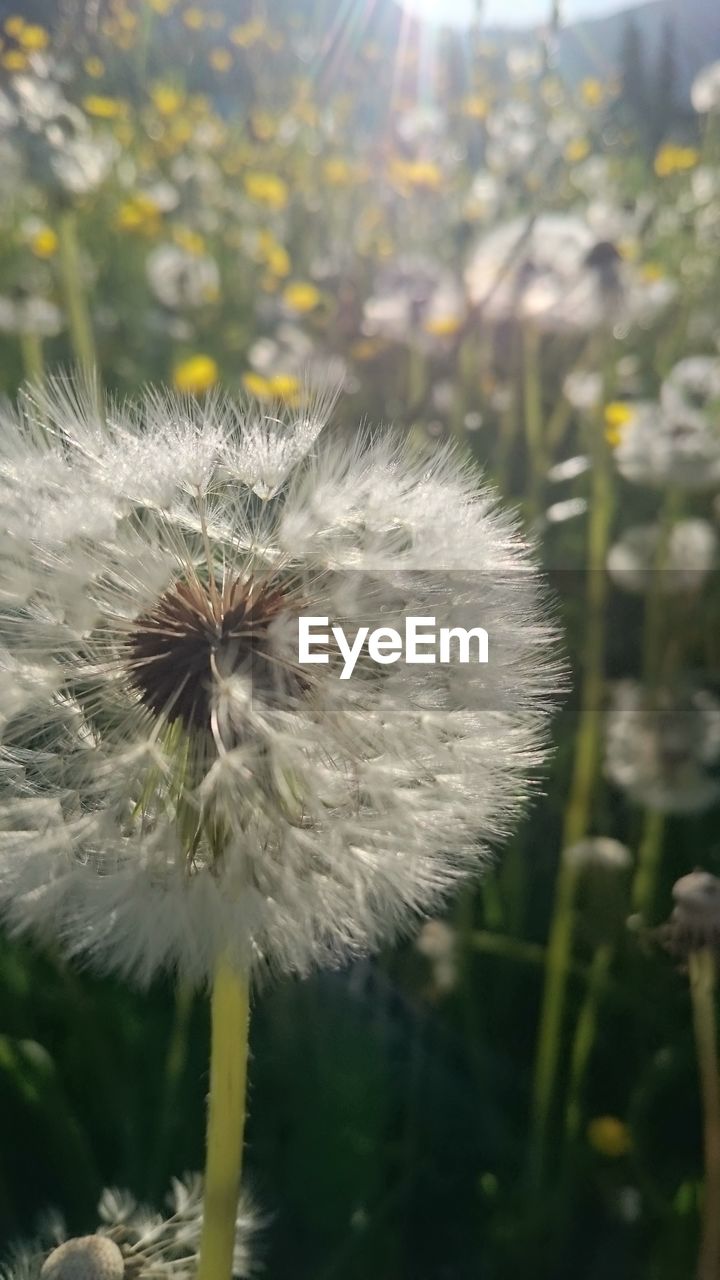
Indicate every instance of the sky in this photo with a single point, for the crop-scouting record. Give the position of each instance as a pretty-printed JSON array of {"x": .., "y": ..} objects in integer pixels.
[{"x": 517, "y": 13}]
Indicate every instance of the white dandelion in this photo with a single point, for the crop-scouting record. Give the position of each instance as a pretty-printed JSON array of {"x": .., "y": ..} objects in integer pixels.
[
  {"x": 554, "y": 272},
  {"x": 179, "y": 788},
  {"x": 660, "y": 447},
  {"x": 683, "y": 558},
  {"x": 662, "y": 747},
  {"x": 180, "y": 279},
  {"x": 132, "y": 1240},
  {"x": 705, "y": 89}
]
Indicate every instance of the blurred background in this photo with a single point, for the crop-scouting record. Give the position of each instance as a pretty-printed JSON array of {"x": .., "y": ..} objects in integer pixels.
[{"x": 499, "y": 225}]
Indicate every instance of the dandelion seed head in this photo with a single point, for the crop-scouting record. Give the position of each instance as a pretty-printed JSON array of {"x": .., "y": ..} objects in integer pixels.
[
  {"x": 174, "y": 784},
  {"x": 695, "y": 919},
  {"x": 662, "y": 748},
  {"x": 133, "y": 1240},
  {"x": 84, "y": 1258}
]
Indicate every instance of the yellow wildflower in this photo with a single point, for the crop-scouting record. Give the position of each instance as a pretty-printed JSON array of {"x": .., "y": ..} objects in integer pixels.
[
  {"x": 14, "y": 60},
  {"x": 281, "y": 386},
  {"x": 617, "y": 415},
  {"x": 194, "y": 19},
  {"x": 592, "y": 92},
  {"x": 442, "y": 326},
  {"x": 674, "y": 159},
  {"x": 95, "y": 67},
  {"x": 257, "y": 386},
  {"x": 651, "y": 272},
  {"x": 33, "y": 37},
  {"x": 475, "y": 107},
  {"x": 104, "y": 108},
  {"x": 220, "y": 59},
  {"x": 285, "y": 387},
  {"x": 577, "y": 149},
  {"x": 263, "y": 125},
  {"x": 367, "y": 348},
  {"x": 44, "y": 242},
  {"x": 139, "y": 213},
  {"x": 196, "y": 374},
  {"x": 419, "y": 175},
  {"x": 124, "y": 40},
  {"x": 199, "y": 105},
  {"x": 267, "y": 188},
  {"x": 301, "y": 296},
  {"x": 273, "y": 254},
  {"x": 14, "y": 25},
  {"x": 189, "y": 240},
  {"x": 180, "y": 132},
  {"x": 166, "y": 99},
  {"x": 162, "y": 6},
  {"x": 123, "y": 131},
  {"x": 339, "y": 172},
  {"x": 609, "y": 1136},
  {"x": 248, "y": 33}
]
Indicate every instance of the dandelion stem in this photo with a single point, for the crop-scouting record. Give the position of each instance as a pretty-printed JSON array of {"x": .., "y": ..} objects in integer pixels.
[
  {"x": 32, "y": 357},
  {"x": 703, "y": 977},
  {"x": 577, "y": 814},
  {"x": 230, "y": 1015},
  {"x": 81, "y": 333}
]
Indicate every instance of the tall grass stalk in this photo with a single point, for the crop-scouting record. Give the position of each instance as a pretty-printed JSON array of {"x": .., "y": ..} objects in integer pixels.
[
  {"x": 31, "y": 351},
  {"x": 649, "y": 853},
  {"x": 577, "y": 814},
  {"x": 81, "y": 333},
  {"x": 533, "y": 414},
  {"x": 584, "y": 1038}
]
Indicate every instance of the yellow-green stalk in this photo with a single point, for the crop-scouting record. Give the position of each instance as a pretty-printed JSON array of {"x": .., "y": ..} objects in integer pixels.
[{"x": 230, "y": 1018}]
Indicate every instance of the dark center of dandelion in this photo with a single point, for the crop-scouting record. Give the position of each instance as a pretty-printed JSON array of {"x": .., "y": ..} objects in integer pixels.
[{"x": 191, "y": 633}]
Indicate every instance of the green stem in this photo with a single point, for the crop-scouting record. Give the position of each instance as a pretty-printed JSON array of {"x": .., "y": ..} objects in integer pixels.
[
  {"x": 656, "y": 601},
  {"x": 230, "y": 1014},
  {"x": 81, "y": 333},
  {"x": 651, "y": 841},
  {"x": 32, "y": 357},
  {"x": 577, "y": 814},
  {"x": 533, "y": 413},
  {"x": 584, "y": 1039},
  {"x": 703, "y": 976},
  {"x": 648, "y": 862},
  {"x": 416, "y": 375},
  {"x": 506, "y": 442},
  {"x": 498, "y": 944}
]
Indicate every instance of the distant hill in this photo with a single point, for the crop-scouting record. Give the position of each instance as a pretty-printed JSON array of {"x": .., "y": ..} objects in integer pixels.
[{"x": 592, "y": 47}]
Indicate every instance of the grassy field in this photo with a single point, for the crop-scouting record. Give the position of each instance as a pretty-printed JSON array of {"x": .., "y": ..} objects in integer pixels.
[{"x": 260, "y": 194}]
